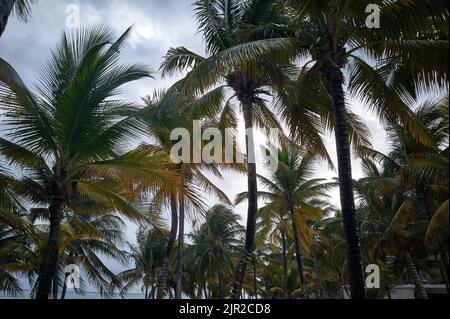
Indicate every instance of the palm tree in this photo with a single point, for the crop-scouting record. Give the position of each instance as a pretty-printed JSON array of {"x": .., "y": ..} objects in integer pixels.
[
  {"x": 165, "y": 114},
  {"x": 219, "y": 25},
  {"x": 69, "y": 134},
  {"x": 423, "y": 168},
  {"x": 83, "y": 240},
  {"x": 14, "y": 227},
  {"x": 388, "y": 222},
  {"x": 148, "y": 258},
  {"x": 216, "y": 242},
  {"x": 21, "y": 7},
  {"x": 290, "y": 189}
]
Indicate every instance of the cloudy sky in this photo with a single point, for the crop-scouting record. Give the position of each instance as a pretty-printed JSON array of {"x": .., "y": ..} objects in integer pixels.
[{"x": 158, "y": 25}]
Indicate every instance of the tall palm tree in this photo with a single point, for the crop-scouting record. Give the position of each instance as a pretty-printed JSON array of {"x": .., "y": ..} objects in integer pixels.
[
  {"x": 68, "y": 135},
  {"x": 166, "y": 113},
  {"x": 21, "y": 7},
  {"x": 412, "y": 170},
  {"x": 290, "y": 189},
  {"x": 273, "y": 227},
  {"x": 425, "y": 168}
]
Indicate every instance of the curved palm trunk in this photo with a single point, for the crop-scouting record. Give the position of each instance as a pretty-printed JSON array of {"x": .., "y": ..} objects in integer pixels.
[
  {"x": 48, "y": 267},
  {"x": 205, "y": 291},
  {"x": 285, "y": 265},
  {"x": 55, "y": 285},
  {"x": 241, "y": 271},
  {"x": 220, "y": 282},
  {"x": 6, "y": 7},
  {"x": 146, "y": 292},
  {"x": 443, "y": 254},
  {"x": 421, "y": 293},
  {"x": 180, "y": 257},
  {"x": 64, "y": 289},
  {"x": 199, "y": 292},
  {"x": 299, "y": 256},
  {"x": 162, "y": 282},
  {"x": 357, "y": 285}
]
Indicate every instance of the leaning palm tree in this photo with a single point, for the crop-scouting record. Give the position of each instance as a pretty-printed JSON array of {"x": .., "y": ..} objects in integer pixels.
[
  {"x": 21, "y": 7},
  {"x": 291, "y": 189},
  {"x": 165, "y": 114},
  {"x": 68, "y": 135}
]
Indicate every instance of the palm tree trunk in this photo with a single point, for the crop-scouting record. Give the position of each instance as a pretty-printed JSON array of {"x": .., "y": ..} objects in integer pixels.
[
  {"x": 443, "y": 253},
  {"x": 48, "y": 267},
  {"x": 199, "y": 292},
  {"x": 55, "y": 284},
  {"x": 180, "y": 257},
  {"x": 6, "y": 7},
  {"x": 255, "y": 280},
  {"x": 151, "y": 293},
  {"x": 162, "y": 282},
  {"x": 285, "y": 265},
  {"x": 299, "y": 255},
  {"x": 421, "y": 293},
  {"x": 64, "y": 289},
  {"x": 220, "y": 283},
  {"x": 241, "y": 271},
  {"x": 357, "y": 285},
  {"x": 317, "y": 268},
  {"x": 146, "y": 292}
]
